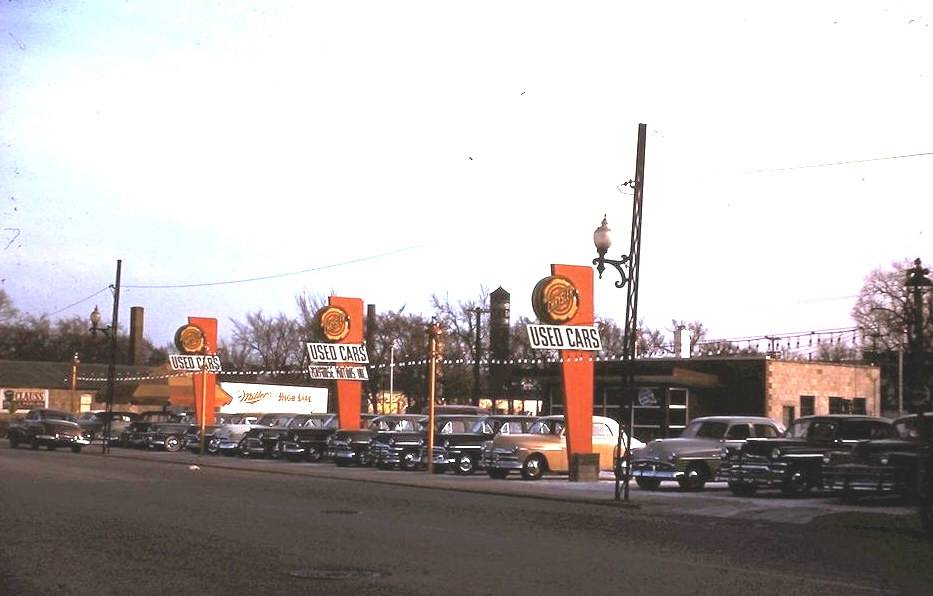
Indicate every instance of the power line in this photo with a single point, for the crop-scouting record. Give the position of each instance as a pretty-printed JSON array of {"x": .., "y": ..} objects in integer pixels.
[
  {"x": 839, "y": 163},
  {"x": 77, "y": 303},
  {"x": 276, "y": 275}
]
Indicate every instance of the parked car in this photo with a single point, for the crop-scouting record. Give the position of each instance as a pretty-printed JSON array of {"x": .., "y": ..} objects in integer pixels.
[
  {"x": 544, "y": 448},
  {"x": 408, "y": 449},
  {"x": 49, "y": 428},
  {"x": 693, "y": 458},
  {"x": 168, "y": 436},
  {"x": 231, "y": 430},
  {"x": 95, "y": 423},
  {"x": 463, "y": 451},
  {"x": 136, "y": 434},
  {"x": 794, "y": 461},
  {"x": 263, "y": 439},
  {"x": 307, "y": 437},
  {"x": 880, "y": 466},
  {"x": 398, "y": 442},
  {"x": 352, "y": 446}
]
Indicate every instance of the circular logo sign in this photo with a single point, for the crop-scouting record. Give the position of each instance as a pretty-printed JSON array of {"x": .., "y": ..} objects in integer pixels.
[
  {"x": 335, "y": 322},
  {"x": 555, "y": 300},
  {"x": 190, "y": 339}
]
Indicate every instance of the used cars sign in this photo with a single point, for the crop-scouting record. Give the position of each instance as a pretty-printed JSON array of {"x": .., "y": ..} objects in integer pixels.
[
  {"x": 565, "y": 337},
  {"x": 350, "y": 353}
]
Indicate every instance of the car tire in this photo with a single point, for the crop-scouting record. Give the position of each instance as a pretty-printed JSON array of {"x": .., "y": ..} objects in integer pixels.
[
  {"x": 798, "y": 482},
  {"x": 76, "y": 448},
  {"x": 14, "y": 442},
  {"x": 694, "y": 478},
  {"x": 534, "y": 467},
  {"x": 648, "y": 483},
  {"x": 364, "y": 459},
  {"x": 408, "y": 461},
  {"x": 742, "y": 489},
  {"x": 465, "y": 465},
  {"x": 313, "y": 454},
  {"x": 172, "y": 444},
  {"x": 497, "y": 474}
]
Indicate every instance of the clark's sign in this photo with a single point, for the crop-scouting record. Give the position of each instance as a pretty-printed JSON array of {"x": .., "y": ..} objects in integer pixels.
[
  {"x": 565, "y": 337},
  {"x": 338, "y": 373},
  {"x": 334, "y": 353}
]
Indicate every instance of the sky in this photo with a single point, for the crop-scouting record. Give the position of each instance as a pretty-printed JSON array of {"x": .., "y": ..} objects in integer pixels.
[{"x": 395, "y": 150}]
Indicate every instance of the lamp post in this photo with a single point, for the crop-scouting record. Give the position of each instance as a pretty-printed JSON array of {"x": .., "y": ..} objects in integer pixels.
[
  {"x": 434, "y": 329},
  {"x": 109, "y": 331},
  {"x": 916, "y": 282},
  {"x": 76, "y": 407},
  {"x": 392, "y": 347},
  {"x": 628, "y": 268},
  {"x": 477, "y": 349}
]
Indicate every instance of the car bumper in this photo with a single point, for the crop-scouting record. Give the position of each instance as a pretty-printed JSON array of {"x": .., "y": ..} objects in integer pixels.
[
  {"x": 655, "y": 469},
  {"x": 758, "y": 474},
  {"x": 60, "y": 441},
  {"x": 867, "y": 479}
]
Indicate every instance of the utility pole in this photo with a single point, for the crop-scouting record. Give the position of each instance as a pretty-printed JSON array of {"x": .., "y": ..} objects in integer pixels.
[{"x": 477, "y": 356}]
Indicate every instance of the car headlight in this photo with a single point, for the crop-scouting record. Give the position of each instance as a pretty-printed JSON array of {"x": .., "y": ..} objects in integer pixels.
[
  {"x": 884, "y": 460},
  {"x": 514, "y": 449},
  {"x": 446, "y": 443},
  {"x": 723, "y": 452},
  {"x": 391, "y": 441},
  {"x": 775, "y": 453},
  {"x": 672, "y": 457},
  {"x": 827, "y": 458}
]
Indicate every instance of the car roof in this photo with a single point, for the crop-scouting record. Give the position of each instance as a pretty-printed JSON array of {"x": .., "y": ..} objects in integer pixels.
[
  {"x": 735, "y": 419},
  {"x": 844, "y": 417}
]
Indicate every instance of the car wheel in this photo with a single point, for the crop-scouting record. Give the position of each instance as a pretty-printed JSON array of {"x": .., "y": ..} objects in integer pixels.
[
  {"x": 741, "y": 489},
  {"x": 797, "y": 483},
  {"x": 465, "y": 464},
  {"x": 408, "y": 461},
  {"x": 648, "y": 483},
  {"x": 364, "y": 459},
  {"x": 212, "y": 448},
  {"x": 313, "y": 454},
  {"x": 172, "y": 443},
  {"x": 694, "y": 478},
  {"x": 533, "y": 468},
  {"x": 14, "y": 442},
  {"x": 497, "y": 474},
  {"x": 76, "y": 448}
]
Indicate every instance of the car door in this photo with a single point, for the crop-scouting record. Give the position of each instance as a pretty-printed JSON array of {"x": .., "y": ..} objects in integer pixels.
[
  {"x": 736, "y": 435},
  {"x": 604, "y": 443}
]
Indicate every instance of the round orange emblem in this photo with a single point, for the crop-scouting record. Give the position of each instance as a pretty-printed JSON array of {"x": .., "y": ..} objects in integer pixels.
[
  {"x": 190, "y": 339},
  {"x": 555, "y": 300},
  {"x": 335, "y": 322}
]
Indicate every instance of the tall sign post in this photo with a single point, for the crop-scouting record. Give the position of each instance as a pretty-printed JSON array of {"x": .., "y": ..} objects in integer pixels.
[
  {"x": 343, "y": 356},
  {"x": 434, "y": 331},
  {"x": 564, "y": 302},
  {"x": 197, "y": 342}
]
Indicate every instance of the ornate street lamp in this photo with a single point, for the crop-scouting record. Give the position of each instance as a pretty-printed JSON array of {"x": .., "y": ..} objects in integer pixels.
[
  {"x": 628, "y": 268},
  {"x": 110, "y": 331}
]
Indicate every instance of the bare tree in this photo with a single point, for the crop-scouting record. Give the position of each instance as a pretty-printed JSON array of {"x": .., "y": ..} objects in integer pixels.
[
  {"x": 883, "y": 308},
  {"x": 270, "y": 343}
]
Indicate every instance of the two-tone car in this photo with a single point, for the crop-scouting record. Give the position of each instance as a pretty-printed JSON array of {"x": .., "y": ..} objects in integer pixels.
[
  {"x": 306, "y": 437},
  {"x": 693, "y": 458},
  {"x": 463, "y": 450},
  {"x": 544, "y": 448},
  {"x": 263, "y": 439},
  {"x": 231, "y": 430},
  {"x": 43, "y": 427},
  {"x": 95, "y": 424},
  {"x": 793, "y": 462},
  {"x": 398, "y": 442},
  {"x": 879, "y": 466},
  {"x": 352, "y": 446}
]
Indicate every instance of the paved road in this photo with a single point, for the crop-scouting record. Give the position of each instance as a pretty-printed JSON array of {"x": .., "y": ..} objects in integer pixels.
[{"x": 82, "y": 524}]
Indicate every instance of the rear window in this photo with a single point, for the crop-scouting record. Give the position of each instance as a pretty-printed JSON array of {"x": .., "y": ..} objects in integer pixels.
[
  {"x": 765, "y": 430},
  {"x": 865, "y": 429},
  {"x": 705, "y": 430}
]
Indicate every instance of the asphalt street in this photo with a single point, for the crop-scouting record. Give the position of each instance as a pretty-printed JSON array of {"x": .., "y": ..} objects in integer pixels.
[{"x": 158, "y": 523}]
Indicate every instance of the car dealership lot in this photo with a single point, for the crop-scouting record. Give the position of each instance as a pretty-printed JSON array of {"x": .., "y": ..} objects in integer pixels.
[{"x": 714, "y": 501}]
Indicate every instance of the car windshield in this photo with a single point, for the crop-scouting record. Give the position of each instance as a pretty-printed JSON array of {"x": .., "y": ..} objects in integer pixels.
[
  {"x": 907, "y": 427},
  {"x": 798, "y": 430},
  {"x": 449, "y": 427},
  {"x": 705, "y": 429},
  {"x": 319, "y": 422},
  {"x": 547, "y": 427}
]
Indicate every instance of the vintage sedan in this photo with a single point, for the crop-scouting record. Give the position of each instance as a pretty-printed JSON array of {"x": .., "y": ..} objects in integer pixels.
[
  {"x": 307, "y": 436},
  {"x": 136, "y": 434},
  {"x": 353, "y": 446},
  {"x": 95, "y": 423},
  {"x": 693, "y": 458},
  {"x": 544, "y": 448},
  {"x": 880, "y": 466},
  {"x": 49, "y": 428},
  {"x": 168, "y": 436},
  {"x": 263, "y": 439},
  {"x": 793, "y": 462}
]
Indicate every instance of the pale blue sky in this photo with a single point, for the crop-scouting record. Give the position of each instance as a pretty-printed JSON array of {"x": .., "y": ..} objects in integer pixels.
[{"x": 319, "y": 133}]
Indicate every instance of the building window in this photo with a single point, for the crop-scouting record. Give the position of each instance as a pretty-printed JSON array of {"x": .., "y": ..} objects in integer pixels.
[
  {"x": 807, "y": 405},
  {"x": 788, "y": 416},
  {"x": 858, "y": 405},
  {"x": 839, "y": 405}
]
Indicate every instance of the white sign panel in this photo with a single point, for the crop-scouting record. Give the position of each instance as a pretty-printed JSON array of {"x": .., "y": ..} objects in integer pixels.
[
  {"x": 565, "y": 337},
  {"x": 194, "y": 362},
  {"x": 339, "y": 373},
  {"x": 24, "y": 399},
  {"x": 353, "y": 353},
  {"x": 251, "y": 398}
]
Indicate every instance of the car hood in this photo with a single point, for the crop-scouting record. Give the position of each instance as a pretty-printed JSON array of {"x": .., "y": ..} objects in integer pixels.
[
  {"x": 61, "y": 425},
  {"x": 662, "y": 449}
]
